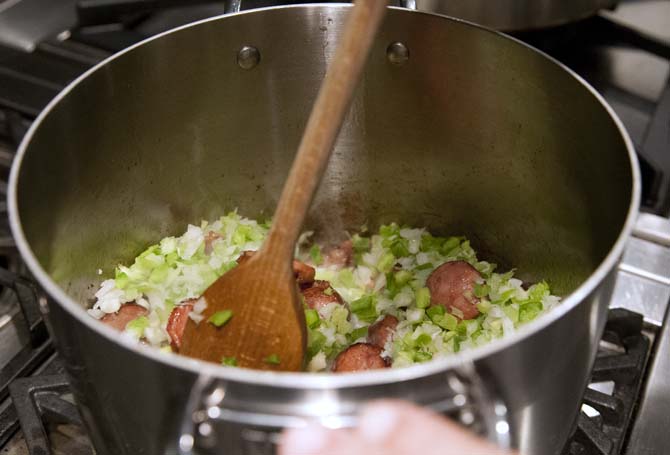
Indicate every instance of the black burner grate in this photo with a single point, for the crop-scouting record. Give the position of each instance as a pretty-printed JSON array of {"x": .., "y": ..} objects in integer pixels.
[
  {"x": 42, "y": 402},
  {"x": 619, "y": 370}
]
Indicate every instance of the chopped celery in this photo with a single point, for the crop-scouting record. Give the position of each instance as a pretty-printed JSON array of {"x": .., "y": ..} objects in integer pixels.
[
  {"x": 357, "y": 334},
  {"x": 272, "y": 359},
  {"x": 423, "y": 339},
  {"x": 529, "y": 311},
  {"x": 435, "y": 311},
  {"x": 484, "y": 306},
  {"x": 229, "y": 361},
  {"x": 422, "y": 297},
  {"x": 360, "y": 244},
  {"x": 312, "y": 318},
  {"x": 137, "y": 326},
  {"x": 315, "y": 254},
  {"x": 315, "y": 342},
  {"x": 422, "y": 356},
  {"x": 220, "y": 318},
  {"x": 386, "y": 263},
  {"x": 481, "y": 290},
  {"x": 364, "y": 308}
]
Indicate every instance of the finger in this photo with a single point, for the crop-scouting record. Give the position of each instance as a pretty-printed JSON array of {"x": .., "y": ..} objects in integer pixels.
[{"x": 315, "y": 439}]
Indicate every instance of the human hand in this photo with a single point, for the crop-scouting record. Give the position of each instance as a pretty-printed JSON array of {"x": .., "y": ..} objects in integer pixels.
[{"x": 389, "y": 427}]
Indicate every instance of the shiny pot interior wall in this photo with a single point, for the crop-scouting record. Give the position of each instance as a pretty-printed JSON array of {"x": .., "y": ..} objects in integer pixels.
[{"x": 475, "y": 134}]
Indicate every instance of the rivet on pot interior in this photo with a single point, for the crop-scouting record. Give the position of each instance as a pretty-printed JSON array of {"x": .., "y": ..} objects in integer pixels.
[
  {"x": 397, "y": 53},
  {"x": 248, "y": 57}
]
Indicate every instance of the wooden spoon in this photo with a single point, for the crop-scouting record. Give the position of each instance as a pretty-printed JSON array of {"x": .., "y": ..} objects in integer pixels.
[{"x": 267, "y": 327}]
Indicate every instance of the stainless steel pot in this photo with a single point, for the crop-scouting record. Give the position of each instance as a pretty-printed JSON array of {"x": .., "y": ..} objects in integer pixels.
[
  {"x": 454, "y": 127},
  {"x": 513, "y": 15}
]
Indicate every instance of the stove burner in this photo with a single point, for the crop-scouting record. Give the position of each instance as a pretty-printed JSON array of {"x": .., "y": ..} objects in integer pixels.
[
  {"x": 619, "y": 370},
  {"x": 41, "y": 402}
]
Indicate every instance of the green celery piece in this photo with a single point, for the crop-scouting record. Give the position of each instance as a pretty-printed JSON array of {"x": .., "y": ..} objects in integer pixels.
[
  {"x": 360, "y": 244},
  {"x": 529, "y": 311},
  {"x": 400, "y": 247},
  {"x": 315, "y": 342},
  {"x": 448, "y": 322},
  {"x": 138, "y": 325},
  {"x": 220, "y": 318},
  {"x": 392, "y": 287},
  {"x": 159, "y": 274},
  {"x": 538, "y": 291},
  {"x": 484, "y": 306},
  {"x": 430, "y": 243},
  {"x": 481, "y": 290},
  {"x": 421, "y": 356},
  {"x": 389, "y": 230},
  {"x": 435, "y": 311},
  {"x": 121, "y": 280},
  {"x": 422, "y": 296},
  {"x": 272, "y": 359},
  {"x": 357, "y": 334},
  {"x": 512, "y": 313},
  {"x": 312, "y": 318},
  {"x": 346, "y": 277},
  {"x": 386, "y": 263},
  {"x": 402, "y": 277},
  {"x": 315, "y": 254},
  {"x": 450, "y": 244},
  {"x": 364, "y": 308},
  {"x": 229, "y": 361},
  {"x": 423, "y": 339}
]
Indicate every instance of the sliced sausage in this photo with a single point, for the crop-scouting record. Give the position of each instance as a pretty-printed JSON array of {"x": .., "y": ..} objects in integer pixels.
[
  {"x": 304, "y": 274},
  {"x": 341, "y": 255},
  {"x": 452, "y": 285},
  {"x": 210, "y": 238},
  {"x": 320, "y": 294},
  {"x": 177, "y": 322},
  {"x": 381, "y": 331},
  {"x": 359, "y": 357},
  {"x": 126, "y": 313}
]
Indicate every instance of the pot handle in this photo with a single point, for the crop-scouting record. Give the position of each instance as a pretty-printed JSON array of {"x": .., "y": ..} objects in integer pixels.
[{"x": 213, "y": 423}]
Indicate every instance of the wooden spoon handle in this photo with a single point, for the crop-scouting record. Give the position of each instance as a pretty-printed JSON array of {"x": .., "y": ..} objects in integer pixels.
[{"x": 323, "y": 126}]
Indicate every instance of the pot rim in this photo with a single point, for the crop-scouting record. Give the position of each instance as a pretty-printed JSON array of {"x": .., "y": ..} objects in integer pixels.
[{"x": 318, "y": 380}]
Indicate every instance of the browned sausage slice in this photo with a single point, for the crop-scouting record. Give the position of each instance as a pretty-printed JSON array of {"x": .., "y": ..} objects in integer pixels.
[
  {"x": 452, "y": 285},
  {"x": 341, "y": 255},
  {"x": 304, "y": 274},
  {"x": 382, "y": 331},
  {"x": 320, "y": 294},
  {"x": 359, "y": 357},
  {"x": 126, "y": 313},
  {"x": 177, "y": 322}
]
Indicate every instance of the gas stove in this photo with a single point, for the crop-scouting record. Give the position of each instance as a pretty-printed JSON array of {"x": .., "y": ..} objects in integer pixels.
[{"x": 624, "y": 53}]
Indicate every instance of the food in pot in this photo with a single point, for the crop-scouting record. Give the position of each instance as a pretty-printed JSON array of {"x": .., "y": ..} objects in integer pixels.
[{"x": 391, "y": 298}]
